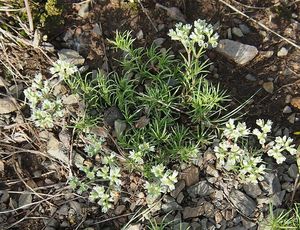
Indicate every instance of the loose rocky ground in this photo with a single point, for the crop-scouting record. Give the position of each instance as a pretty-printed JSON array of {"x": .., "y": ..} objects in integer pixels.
[{"x": 248, "y": 60}]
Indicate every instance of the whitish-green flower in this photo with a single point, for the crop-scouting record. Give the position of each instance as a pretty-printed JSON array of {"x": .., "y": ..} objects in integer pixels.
[
  {"x": 103, "y": 172},
  {"x": 105, "y": 202},
  {"x": 153, "y": 191},
  {"x": 96, "y": 193},
  {"x": 145, "y": 148},
  {"x": 265, "y": 127},
  {"x": 63, "y": 69},
  {"x": 109, "y": 159},
  {"x": 158, "y": 170},
  {"x": 42, "y": 119},
  {"x": 168, "y": 180},
  {"x": 276, "y": 153},
  {"x": 261, "y": 136},
  {"x": 285, "y": 142},
  {"x": 114, "y": 176},
  {"x": 136, "y": 157}
]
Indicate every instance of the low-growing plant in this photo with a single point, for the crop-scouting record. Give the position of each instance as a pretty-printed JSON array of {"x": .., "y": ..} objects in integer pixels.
[{"x": 235, "y": 155}]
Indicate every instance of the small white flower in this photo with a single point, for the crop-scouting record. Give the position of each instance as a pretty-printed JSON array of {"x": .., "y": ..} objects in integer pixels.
[
  {"x": 136, "y": 156},
  {"x": 158, "y": 170},
  {"x": 153, "y": 191},
  {"x": 109, "y": 159},
  {"x": 169, "y": 180},
  {"x": 114, "y": 177},
  {"x": 104, "y": 172},
  {"x": 261, "y": 136}
]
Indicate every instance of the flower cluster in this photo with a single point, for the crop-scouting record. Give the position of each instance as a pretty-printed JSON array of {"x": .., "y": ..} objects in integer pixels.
[
  {"x": 63, "y": 69},
  {"x": 109, "y": 174},
  {"x": 45, "y": 109},
  {"x": 94, "y": 146},
  {"x": 249, "y": 166},
  {"x": 202, "y": 34},
  {"x": 164, "y": 182},
  {"x": 136, "y": 156}
]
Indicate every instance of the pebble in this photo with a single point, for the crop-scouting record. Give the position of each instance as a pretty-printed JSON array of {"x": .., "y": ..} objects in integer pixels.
[
  {"x": 244, "y": 28},
  {"x": 252, "y": 189},
  {"x": 293, "y": 171},
  {"x": 287, "y": 109},
  {"x": 268, "y": 86},
  {"x": 159, "y": 41},
  {"x": 295, "y": 102},
  {"x": 140, "y": 35},
  {"x": 237, "y": 32},
  {"x": 250, "y": 77},
  {"x": 282, "y": 52},
  {"x": 190, "y": 212},
  {"x": 97, "y": 30},
  {"x": 180, "y": 198},
  {"x": 120, "y": 209},
  {"x": 211, "y": 170},
  {"x": 71, "y": 56},
  {"x": 292, "y": 118},
  {"x": 7, "y": 105},
  {"x": 238, "y": 52}
]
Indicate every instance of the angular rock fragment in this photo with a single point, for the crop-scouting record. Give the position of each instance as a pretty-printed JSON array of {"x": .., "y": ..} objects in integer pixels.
[{"x": 235, "y": 51}]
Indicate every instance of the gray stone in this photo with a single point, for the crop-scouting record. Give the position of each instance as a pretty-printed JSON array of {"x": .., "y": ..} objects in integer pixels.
[
  {"x": 229, "y": 33},
  {"x": 287, "y": 109},
  {"x": 252, "y": 189},
  {"x": 180, "y": 198},
  {"x": 237, "y": 32},
  {"x": 140, "y": 35},
  {"x": 277, "y": 198},
  {"x": 248, "y": 224},
  {"x": 111, "y": 115},
  {"x": 236, "y": 51},
  {"x": 293, "y": 171},
  {"x": 211, "y": 170},
  {"x": 195, "y": 226},
  {"x": 191, "y": 212},
  {"x": 179, "y": 186},
  {"x": 7, "y": 105},
  {"x": 159, "y": 41},
  {"x": 134, "y": 227},
  {"x": 97, "y": 30},
  {"x": 282, "y": 52},
  {"x": 182, "y": 226},
  {"x": 24, "y": 200},
  {"x": 172, "y": 206},
  {"x": 250, "y": 77},
  {"x": 120, "y": 209},
  {"x": 244, "y": 203},
  {"x": 271, "y": 183},
  {"x": 200, "y": 189},
  {"x": 244, "y": 28},
  {"x": 71, "y": 56}
]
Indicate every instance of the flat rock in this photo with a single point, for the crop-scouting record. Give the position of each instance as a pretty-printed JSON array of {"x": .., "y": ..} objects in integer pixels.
[
  {"x": 190, "y": 175},
  {"x": 252, "y": 190},
  {"x": 235, "y": 51},
  {"x": 71, "y": 56},
  {"x": 7, "y": 105},
  {"x": 55, "y": 149},
  {"x": 287, "y": 109},
  {"x": 293, "y": 171},
  {"x": 200, "y": 189},
  {"x": 244, "y": 28},
  {"x": 111, "y": 115},
  {"x": 172, "y": 206},
  {"x": 242, "y": 202},
  {"x": 179, "y": 186},
  {"x": 237, "y": 32},
  {"x": 191, "y": 212},
  {"x": 271, "y": 183},
  {"x": 250, "y": 77}
]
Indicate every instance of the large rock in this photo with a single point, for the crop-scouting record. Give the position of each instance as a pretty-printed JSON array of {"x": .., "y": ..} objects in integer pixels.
[
  {"x": 271, "y": 183},
  {"x": 242, "y": 202},
  {"x": 236, "y": 51},
  {"x": 190, "y": 175}
]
